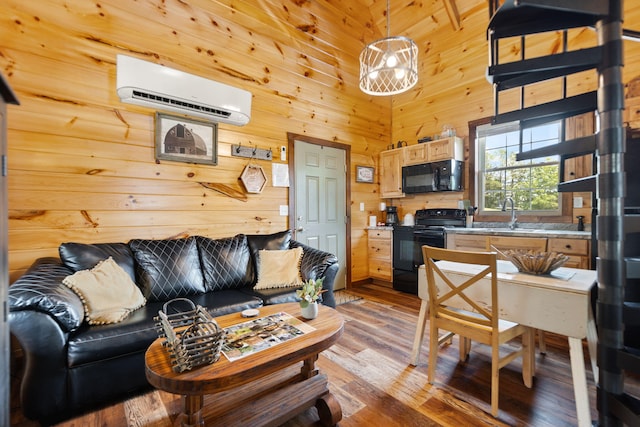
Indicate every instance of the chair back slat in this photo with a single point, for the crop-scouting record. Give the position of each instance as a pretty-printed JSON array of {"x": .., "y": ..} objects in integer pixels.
[
  {"x": 443, "y": 290},
  {"x": 466, "y": 305}
]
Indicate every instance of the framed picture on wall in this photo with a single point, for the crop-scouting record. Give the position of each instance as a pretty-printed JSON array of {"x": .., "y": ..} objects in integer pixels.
[
  {"x": 182, "y": 139},
  {"x": 364, "y": 174}
]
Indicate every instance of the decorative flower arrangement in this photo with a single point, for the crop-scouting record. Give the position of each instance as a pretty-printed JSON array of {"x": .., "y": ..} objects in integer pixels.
[{"x": 310, "y": 291}]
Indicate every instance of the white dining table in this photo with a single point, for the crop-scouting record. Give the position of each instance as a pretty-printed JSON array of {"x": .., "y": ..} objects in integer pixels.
[{"x": 558, "y": 303}]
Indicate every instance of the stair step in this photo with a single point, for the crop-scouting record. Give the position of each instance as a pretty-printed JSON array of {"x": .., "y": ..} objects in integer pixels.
[
  {"x": 521, "y": 73},
  {"x": 585, "y": 184},
  {"x": 631, "y": 313},
  {"x": 625, "y": 407},
  {"x": 522, "y": 17},
  {"x": 566, "y": 149},
  {"x": 555, "y": 110},
  {"x": 631, "y": 223},
  {"x": 633, "y": 267}
]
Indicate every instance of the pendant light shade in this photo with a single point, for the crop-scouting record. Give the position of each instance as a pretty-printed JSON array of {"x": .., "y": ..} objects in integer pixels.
[{"x": 389, "y": 66}]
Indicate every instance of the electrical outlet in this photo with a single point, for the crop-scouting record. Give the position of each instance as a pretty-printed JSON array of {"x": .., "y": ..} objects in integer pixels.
[{"x": 361, "y": 206}]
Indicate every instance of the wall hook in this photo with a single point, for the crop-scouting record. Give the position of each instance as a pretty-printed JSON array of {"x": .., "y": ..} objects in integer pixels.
[{"x": 252, "y": 152}]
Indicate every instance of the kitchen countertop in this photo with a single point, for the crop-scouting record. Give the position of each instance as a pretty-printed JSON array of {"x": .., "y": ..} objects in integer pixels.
[{"x": 522, "y": 232}]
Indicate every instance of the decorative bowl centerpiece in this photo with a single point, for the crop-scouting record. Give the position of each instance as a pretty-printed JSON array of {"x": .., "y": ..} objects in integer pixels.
[{"x": 534, "y": 262}]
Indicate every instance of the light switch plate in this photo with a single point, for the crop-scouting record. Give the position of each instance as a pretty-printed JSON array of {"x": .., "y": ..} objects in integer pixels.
[
  {"x": 577, "y": 202},
  {"x": 284, "y": 210},
  {"x": 361, "y": 206}
]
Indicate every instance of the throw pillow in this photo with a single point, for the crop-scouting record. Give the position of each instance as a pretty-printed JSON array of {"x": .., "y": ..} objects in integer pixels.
[
  {"x": 271, "y": 242},
  {"x": 226, "y": 263},
  {"x": 85, "y": 256},
  {"x": 279, "y": 269},
  {"x": 169, "y": 268},
  {"x": 107, "y": 292}
]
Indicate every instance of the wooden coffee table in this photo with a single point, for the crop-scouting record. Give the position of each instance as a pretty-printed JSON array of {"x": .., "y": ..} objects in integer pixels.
[{"x": 263, "y": 389}]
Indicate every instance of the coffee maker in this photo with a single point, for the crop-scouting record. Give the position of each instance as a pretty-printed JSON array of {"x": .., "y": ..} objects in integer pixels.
[{"x": 392, "y": 215}]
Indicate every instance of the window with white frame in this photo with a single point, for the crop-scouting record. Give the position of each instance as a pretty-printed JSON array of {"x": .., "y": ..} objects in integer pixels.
[{"x": 532, "y": 184}]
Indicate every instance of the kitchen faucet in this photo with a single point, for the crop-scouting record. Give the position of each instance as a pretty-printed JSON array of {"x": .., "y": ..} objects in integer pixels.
[{"x": 514, "y": 220}]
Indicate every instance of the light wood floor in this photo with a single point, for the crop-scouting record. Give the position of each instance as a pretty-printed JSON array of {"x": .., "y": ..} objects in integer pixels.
[{"x": 370, "y": 375}]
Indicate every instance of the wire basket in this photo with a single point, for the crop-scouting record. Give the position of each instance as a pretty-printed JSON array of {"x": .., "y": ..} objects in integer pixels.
[
  {"x": 534, "y": 262},
  {"x": 192, "y": 336}
]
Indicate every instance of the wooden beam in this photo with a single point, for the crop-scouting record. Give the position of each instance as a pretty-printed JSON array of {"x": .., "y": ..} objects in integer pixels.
[{"x": 452, "y": 13}]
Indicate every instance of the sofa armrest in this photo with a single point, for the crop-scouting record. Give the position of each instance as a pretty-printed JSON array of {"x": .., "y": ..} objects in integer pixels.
[
  {"x": 41, "y": 289},
  {"x": 329, "y": 279},
  {"x": 43, "y": 390},
  {"x": 318, "y": 264}
]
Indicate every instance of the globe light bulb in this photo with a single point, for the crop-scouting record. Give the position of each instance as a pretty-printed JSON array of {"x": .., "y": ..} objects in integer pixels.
[
  {"x": 373, "y": 75},
  {"x": 399, "y": 73},
  {"x": 392, "y": 61}
]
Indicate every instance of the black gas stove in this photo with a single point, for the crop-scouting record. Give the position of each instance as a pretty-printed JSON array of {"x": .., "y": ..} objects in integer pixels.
[{"x": 429, "y": 229}]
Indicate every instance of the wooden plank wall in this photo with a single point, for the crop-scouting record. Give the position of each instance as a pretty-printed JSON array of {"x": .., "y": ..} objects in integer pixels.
[
  {"x": 81, "y": 163},
  {"x": 453, "y": 90}
]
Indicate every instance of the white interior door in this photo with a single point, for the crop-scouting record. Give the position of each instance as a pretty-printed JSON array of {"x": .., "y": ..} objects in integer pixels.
[{"x": 320, "y": 194}]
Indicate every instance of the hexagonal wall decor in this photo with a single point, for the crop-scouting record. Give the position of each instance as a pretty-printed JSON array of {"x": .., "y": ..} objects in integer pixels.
[{"x": 253, "y": 178}]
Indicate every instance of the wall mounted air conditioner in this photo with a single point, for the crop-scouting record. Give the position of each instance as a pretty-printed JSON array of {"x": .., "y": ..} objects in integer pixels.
[{"x": 151, "y": 85}]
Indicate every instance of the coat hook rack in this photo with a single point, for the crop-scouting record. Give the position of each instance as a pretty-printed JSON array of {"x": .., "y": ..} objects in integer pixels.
[{"x": 251, "y": 152}]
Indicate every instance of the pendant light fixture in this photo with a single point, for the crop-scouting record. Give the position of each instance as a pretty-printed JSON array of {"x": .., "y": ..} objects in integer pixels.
[{"x": 389, "y": 66}]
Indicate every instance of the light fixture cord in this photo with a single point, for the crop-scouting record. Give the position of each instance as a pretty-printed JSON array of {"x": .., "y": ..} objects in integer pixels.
[{"x": 388, "y": 20}]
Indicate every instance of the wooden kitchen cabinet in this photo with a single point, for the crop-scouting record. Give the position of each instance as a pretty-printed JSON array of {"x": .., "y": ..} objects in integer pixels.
[
  {"x": 380, "y": 246},
  {"x": 445, "y": 149},
  {"x": 503, "y": 243},
  {"x": 484, "y": 242},
  {"x": 391, "y": 173},
  {"x": 415, "y": 154},
  {"x": 577, "y": 250},
  {"x": 467, "y": 242},
  {"x": 392, "y": 161}
]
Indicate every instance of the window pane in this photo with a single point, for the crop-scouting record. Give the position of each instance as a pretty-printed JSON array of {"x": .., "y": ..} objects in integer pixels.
[
  {"x": 495, "y": 159},
  {"x": 531, "y": 183},
  {"x": 493, "y": 200},
  {"x": 494, "y": 180},
  {"x": 544, "y": 199},
  {"x": 544, "y": 176}
]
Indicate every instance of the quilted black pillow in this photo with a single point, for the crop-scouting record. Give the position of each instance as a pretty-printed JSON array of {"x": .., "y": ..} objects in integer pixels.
[
  {"x": 82, "y": 256},
  {"x": 226, "y": 263},
  {"x": 168, "y": 269}
]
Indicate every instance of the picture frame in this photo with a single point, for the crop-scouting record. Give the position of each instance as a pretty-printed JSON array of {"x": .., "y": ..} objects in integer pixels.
[
  {"x": 365, "y": 174},
  {"x": 183, "y": 139}
]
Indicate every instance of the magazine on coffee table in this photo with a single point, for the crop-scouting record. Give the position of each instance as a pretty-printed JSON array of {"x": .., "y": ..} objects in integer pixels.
[{"x": 256, "y": 335}]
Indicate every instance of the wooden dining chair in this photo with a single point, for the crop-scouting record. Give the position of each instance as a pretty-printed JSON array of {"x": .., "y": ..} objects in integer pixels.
[{"x": 469, "y": 309}]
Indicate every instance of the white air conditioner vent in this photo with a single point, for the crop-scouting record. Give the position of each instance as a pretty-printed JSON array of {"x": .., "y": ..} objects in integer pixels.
[
  {"x": 138, "y": 94},
  {"x": 151, "y": 85}
]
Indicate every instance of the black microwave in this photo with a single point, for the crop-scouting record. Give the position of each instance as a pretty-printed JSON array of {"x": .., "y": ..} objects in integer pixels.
[{"x": 444, "y": 175}]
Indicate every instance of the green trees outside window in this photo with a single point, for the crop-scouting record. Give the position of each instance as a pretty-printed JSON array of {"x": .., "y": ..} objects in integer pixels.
[{"x": 532, "y": 184}]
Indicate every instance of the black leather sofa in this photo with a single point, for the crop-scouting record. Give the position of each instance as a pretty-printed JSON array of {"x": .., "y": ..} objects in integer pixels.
[{"x": 71, "y": 366}]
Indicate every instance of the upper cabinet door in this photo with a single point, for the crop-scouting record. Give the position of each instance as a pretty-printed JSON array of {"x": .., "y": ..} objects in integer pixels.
[{"x": 391, "y": 173}]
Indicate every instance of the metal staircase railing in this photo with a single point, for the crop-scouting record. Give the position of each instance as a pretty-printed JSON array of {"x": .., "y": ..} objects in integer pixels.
[{"x": 522, "y": 18}]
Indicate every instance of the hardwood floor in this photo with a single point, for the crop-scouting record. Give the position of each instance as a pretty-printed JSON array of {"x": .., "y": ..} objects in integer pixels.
[{"x": 370, "y": 375}]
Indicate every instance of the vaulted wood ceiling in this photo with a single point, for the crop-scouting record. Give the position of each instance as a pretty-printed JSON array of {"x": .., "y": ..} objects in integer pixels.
[{"x": 416, "y": 19}]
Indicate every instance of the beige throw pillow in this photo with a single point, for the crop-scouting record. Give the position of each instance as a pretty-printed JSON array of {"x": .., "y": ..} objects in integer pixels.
[
  {"x": 279, "y": 269},
  {"x": 107, "y": 292}
]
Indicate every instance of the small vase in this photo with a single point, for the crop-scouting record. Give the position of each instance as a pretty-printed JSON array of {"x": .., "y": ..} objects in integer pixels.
[{"x": 310, "y": 311}]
